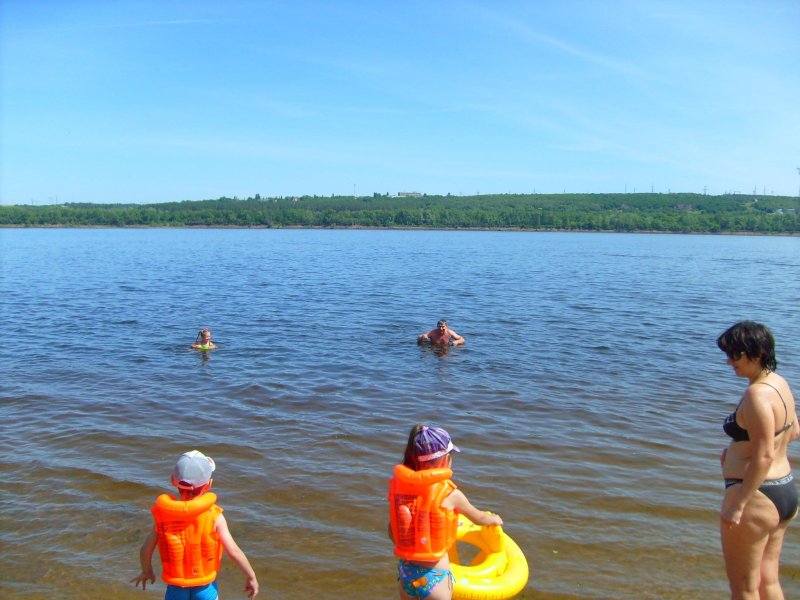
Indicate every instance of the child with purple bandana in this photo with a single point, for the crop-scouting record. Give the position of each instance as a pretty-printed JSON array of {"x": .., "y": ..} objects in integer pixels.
[{"x": 423, "y": 508}]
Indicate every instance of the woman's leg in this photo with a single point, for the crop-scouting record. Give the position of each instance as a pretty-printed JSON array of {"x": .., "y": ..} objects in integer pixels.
[
  {"x": 770, "y": 588},
  {"x": 744, "y": 545}
]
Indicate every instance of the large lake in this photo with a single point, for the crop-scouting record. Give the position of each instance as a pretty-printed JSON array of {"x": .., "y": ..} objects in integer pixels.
[{"x": 587, "y": 401}]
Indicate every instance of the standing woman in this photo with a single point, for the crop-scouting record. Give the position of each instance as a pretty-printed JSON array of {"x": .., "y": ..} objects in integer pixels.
[{"x": 760, "y": 494}]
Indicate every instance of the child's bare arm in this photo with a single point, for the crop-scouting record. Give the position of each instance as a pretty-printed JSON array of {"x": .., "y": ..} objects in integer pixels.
[
  {"x": 237, "y": 556},
  {"x": 146, "y": 560},
  {"x": 459, "y": 501}
]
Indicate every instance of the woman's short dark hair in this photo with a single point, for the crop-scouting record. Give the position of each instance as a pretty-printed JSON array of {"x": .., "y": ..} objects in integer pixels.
[{"x": 750, "y": 338}]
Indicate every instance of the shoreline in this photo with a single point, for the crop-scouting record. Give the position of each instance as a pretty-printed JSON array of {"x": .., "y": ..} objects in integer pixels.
[{"x": 365, "y": 228}]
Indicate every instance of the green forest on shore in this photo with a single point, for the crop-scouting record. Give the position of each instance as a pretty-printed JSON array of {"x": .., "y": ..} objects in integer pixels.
[{"x": 678, "y": 212}]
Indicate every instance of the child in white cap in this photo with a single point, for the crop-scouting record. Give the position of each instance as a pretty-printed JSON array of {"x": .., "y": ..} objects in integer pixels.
[{"x": 191, "y": 534}]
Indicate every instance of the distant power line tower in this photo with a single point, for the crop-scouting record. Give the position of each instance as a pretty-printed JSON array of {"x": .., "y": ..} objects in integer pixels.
[{"x": 798, "y": 190}]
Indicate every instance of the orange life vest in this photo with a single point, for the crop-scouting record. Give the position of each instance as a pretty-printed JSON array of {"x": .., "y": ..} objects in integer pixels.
[
  {"x": 189, "y": 547},
  {"x": 422, "y": 529}
]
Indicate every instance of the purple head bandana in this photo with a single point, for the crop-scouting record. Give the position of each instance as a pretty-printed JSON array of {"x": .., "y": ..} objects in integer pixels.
[{"x": 433, "y": 442}]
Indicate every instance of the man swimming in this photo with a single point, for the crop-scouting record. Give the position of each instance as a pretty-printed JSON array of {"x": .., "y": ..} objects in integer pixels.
[{"x": 441, "y": 336}]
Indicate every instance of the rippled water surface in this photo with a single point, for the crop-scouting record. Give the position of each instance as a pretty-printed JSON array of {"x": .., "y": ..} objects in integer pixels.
[{"x": 587, "y": 400}]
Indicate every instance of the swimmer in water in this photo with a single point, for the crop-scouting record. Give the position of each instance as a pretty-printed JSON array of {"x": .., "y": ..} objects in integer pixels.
[
  {"x": 441, "y": 336},
  {"x": 203, "y": 340}
]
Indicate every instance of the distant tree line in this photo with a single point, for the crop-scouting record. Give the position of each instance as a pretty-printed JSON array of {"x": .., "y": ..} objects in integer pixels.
[{"x": 685, "y": 213}]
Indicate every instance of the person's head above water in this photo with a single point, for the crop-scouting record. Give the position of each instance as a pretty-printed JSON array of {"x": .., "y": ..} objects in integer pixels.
[
  {"x": 203, "y": 340},
  {"x": 427, "y": 447}
]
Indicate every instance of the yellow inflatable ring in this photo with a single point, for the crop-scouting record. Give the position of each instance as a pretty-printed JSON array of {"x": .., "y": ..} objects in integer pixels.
[{"x": 497, "y": 572}]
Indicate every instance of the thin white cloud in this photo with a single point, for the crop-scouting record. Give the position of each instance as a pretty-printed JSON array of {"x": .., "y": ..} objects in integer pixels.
[{"x": 530, "y": 34}]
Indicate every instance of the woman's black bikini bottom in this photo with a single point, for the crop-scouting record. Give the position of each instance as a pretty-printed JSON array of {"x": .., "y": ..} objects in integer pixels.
[{"x": 782, "y": 492}]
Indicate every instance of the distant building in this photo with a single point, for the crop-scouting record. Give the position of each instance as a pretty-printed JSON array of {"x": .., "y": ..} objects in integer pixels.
[{"x": 408, "y": 194}]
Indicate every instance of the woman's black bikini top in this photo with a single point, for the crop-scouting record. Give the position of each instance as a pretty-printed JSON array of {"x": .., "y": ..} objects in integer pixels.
[{"x": 739, "y": 434}]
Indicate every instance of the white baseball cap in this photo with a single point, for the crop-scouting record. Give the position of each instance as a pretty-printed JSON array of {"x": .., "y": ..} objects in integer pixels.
[{"x": 193, "y": 470}]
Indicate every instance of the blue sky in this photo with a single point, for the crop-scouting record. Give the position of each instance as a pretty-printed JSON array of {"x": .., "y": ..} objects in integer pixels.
[{"x": 153, "y": 101}]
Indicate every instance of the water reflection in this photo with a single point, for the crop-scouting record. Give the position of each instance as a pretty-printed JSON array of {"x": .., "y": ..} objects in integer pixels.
[{"x": 439, "y": 350}]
